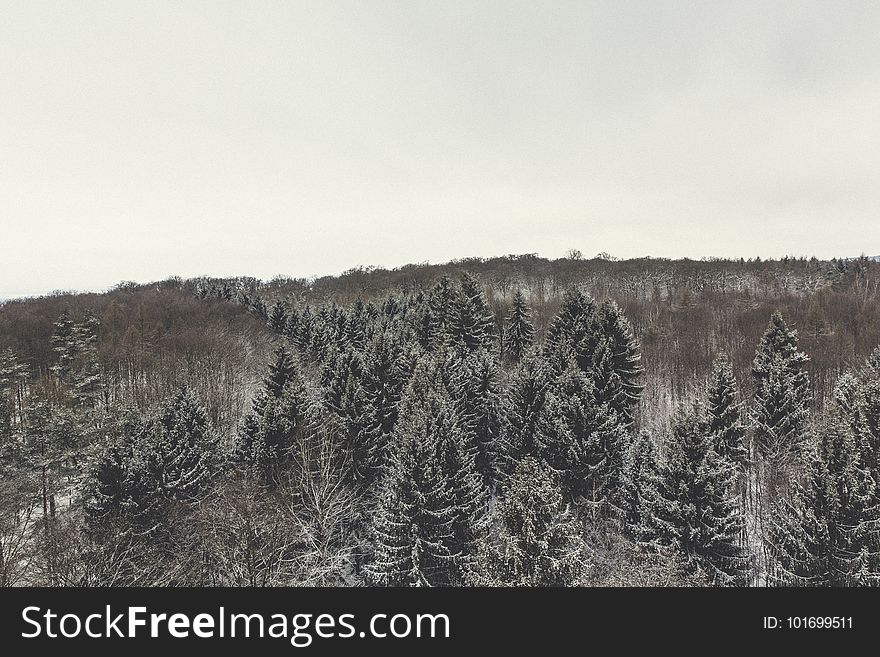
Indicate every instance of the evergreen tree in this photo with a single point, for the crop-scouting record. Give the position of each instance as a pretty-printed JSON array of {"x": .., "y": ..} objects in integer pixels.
[
  {"x": 582, "y": 440},
  {"x": 152, "y": 466},
  {"x": 478, "y": 385},
  {"x": 303, "y": 337},
  {"x": 281, "y": 372},
  {"x": 625, "y": 356},
  {"x": 641, "y": 502},
  {"x": 534, "y": 541},
  {"x": 14, "y": 375},
  {"x": 519, "y": 331},
  {"x": 277, "y": 320},
  {"x": 472, "y": 324},
  {"x": 109, "y": 489},
  {"x": 701, "y": 508},
  {"x": 573, "y": 332},
  {"x": 384, "y": 378},
  {"x": 440, "y": 312},
  {"x": 88, "y": 380},
  {"x": 600, "y": 341},
  {"x": 723, "y": 414},
  {"x": 859, "y": 397},
  {"x": 64, "y": 345},
  {"x": 608, "y": 387},
  {"x": 180, "y": 451},
  {"x": 347, "y": 397},
  {"x": 415, "y": 525},
  {"x": 448, "y": 378},
  {"x": 523, "y": 403},
  {"x": 281, "y": 411},
  {"x": 291, "y": 328},
  {"x": 782, "y": 397},
  {"x": 829, "y": 533}
]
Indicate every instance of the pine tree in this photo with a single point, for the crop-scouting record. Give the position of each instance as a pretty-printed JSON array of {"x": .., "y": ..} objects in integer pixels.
[
  {"x": 535, "y": 540},
  {"x": 829, "y": 533},
  {"x": 641, "y": 502},
  {"x": 519, "y": 331},
  {"x": 723, "y": 414},
  {"x": 782, "y": 398},
  {"x": 701, "y": 508}
]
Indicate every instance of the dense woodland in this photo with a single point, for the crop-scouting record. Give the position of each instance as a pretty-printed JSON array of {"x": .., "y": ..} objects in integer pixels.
[{"x": 512, "y": 421}]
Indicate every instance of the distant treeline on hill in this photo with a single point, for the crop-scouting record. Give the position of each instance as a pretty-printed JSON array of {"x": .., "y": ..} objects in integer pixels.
[{"x": 641, "y": 422}]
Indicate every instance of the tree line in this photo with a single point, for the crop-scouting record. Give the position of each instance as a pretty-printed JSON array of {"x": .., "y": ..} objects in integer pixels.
[{"x": 428, "y": 437}]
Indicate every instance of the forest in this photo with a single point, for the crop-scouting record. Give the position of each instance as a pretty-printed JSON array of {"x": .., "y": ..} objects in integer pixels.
[{"x": 511, "y": 421}]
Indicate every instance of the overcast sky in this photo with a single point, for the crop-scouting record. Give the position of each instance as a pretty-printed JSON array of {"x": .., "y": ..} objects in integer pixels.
[{"x": 144, "y": 139}]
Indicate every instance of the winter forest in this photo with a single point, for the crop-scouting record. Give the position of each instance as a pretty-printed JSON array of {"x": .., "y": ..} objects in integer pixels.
[{"x": 512, "y": 421}]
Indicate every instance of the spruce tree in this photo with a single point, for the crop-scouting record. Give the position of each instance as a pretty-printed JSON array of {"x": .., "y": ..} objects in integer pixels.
[
  {"x": 291, "y": 328},
  {"x": 608, "y": 387},
  {"x": 14, "y": 375},
  {"x": 277, "y": 320},
  {"x": 723, "y": 414},
  {"x": 642, "y": 507},
  {"x": 625, "y": 356},
  {"x": 418, "y": 523},
  {"x": 828, "y": 534},
  {"x": 601, "y": 342},
  {"x": 478, "y": 387},
  {"x": 281, "y": 411},
  {"x": 519, "y": 330},
  {"x": 523, "y": 403},
  {"x": 87, "y": 381},
  {"x": 472, "y": 324},
  {"x": 347, "y": 397},
  {"x": 64, "y": 345},
  {"x": 702, "y": 516},
  {"x": 535, "y": 540},
  {"x": 384, "y": 379},
  {"x": 440, "y": 312},
  {"x": 179, "y": 450},
  {"x": 859, "y": 396},
  {"x": 583, "y": 440},
  {"x": 151, "y": 466},
  {"x": 782, "y": 398},
  {"x": 305, "y": 327},
  {"x": 573, "y": 332},
  {"x": 449, "y": 378}
]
